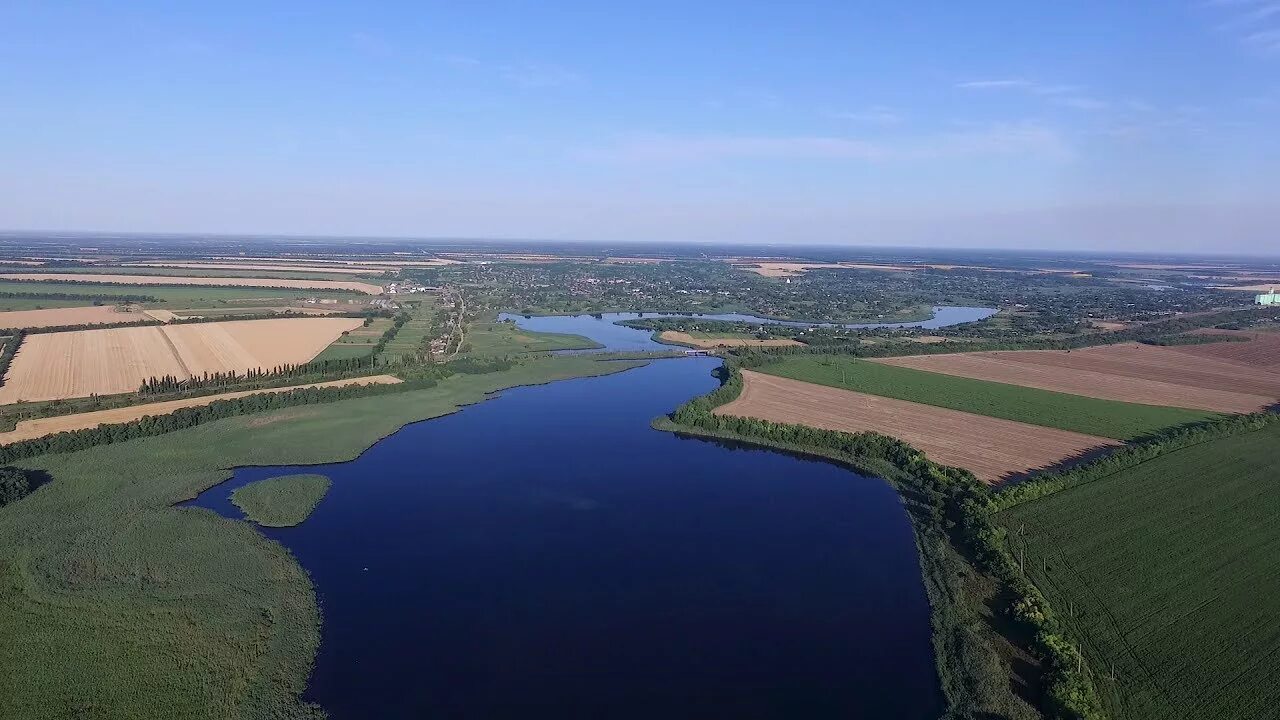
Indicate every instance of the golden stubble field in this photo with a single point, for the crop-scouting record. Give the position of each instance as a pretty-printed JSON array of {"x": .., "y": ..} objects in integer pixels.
[
  {"x": 57, "y": 317},
  {"x": 52, "y": 366}
]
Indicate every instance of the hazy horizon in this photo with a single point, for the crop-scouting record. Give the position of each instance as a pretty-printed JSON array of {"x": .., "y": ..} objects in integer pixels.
[{"x": 1143, "y": 127}]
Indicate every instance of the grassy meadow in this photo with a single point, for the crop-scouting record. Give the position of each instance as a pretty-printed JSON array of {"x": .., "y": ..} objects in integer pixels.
[
  {"x": 1166, "y": 573},
  {"x": 115, "y": 603},
  {"x": 1103, "y": 418},
  {"x": 282, "y": 501},
  {"x": 14, "y": 304},
  {"x": 500, "y": 338}
]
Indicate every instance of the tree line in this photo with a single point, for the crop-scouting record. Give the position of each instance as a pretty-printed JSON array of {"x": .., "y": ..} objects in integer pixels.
[
  {"x": 226, "y": 380},
  {"x": 10, "y": 349},
  {"x": 15, "y": 484},
  {"x": 95, "y": 299}
]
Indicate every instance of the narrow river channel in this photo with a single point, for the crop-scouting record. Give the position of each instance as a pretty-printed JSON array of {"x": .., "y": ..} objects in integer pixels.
[{"x": 546, "y": 554}]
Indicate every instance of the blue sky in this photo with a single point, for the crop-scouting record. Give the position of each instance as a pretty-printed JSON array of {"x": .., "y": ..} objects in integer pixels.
[{"x": 1087, "y": 125}]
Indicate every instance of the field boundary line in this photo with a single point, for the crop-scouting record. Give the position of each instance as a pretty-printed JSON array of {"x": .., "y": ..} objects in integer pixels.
[{"x": 174, "y": 349}]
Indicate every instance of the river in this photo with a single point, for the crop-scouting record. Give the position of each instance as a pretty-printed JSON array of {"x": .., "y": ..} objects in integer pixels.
[
  {"x": 546, "y": 554},
  {"x": 603, "y": 327}
]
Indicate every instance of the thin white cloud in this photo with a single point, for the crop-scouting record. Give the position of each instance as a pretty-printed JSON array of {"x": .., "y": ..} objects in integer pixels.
[
  {"x": 1020, "y": 139},
  {"x": 534, "y": 76},
  {"x": 1254, "y": 23},
  {"x": 1267, "y": 41},
  {"x": 667, "y": 148},
  {"x": 995, "y": 85},
  {"x": 1069, "y": 96},
  {"x": 874, "y": 115}
]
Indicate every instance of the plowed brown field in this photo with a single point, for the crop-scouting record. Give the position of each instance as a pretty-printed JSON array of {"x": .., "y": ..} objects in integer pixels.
[
  {"x": 56, "y": 317},
  {"x": 103, "y": 362},
  {"x": 1131, "y": 373},
  {"x": 31, "y": 429},
  {"x": 993, "y": 449},
  {"x": 367, "y": 288},
  {"x": 1261, "y": 351}
]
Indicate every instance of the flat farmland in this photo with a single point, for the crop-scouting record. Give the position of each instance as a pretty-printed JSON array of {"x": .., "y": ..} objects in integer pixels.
[
  {"x": 1166, "y": 572},
  {"x": 1130, "y": 373},
  {"x": 53, "y": 366},
  {"x": 1074, "y": 413},
  {"x": 57, "y": 317},
  {"x": 1261, "y": 351},
  {"x": 993, "y": 449},
  {"x": 174, "y": 296},
  {"x": 364, "y": 287},
  {"x": 285, "y": 267},
  {"x": 31, "y": 429}
]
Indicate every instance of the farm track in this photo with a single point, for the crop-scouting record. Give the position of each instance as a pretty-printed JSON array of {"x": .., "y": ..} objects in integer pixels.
[
  {"x": 1130, "y": 373},
  {"x": 995, "y": 450}
]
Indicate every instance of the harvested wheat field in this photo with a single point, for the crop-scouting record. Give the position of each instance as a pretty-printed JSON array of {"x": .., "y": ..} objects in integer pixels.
[
  {"x": 1136, "y": 373},
  {"x": 366, "y": 288},
  {"x": 994, "y": 450},
  {"x": 80, "y": 363},
  {"x": 706, "y": 343},
  {"x": 31, "y": 429},
  {"x": 57, "y": 317}
]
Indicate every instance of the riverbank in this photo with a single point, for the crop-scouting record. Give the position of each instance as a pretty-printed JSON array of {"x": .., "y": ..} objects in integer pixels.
[
  {"x": 159, "y": 611},
  {"x": 975, "y": 662}
]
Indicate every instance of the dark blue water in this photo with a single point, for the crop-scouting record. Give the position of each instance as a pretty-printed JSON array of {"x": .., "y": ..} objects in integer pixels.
[
  {"x": 617, "y": 337},
  {"x": 547, "y": 555}
]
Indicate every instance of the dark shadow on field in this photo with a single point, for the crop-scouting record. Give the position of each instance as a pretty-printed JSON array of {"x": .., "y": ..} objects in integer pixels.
[
  {"x": 1025, "y": 676},
  {"x": 38, "y": 478},
  {"x": 1065, "y": 463},
  {"x": 1092, "y": 454}
]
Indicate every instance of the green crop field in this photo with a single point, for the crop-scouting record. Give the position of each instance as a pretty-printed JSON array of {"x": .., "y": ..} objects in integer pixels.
[
  {"x": 115, "y": 603},
  {"x": 282, "y": 501},
  {"x": 1103, "y": 418},
  {"x": 8, "y": 304},
  {"x": 1167, "y": 573},
  {"x": 356, "y": 343}
]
